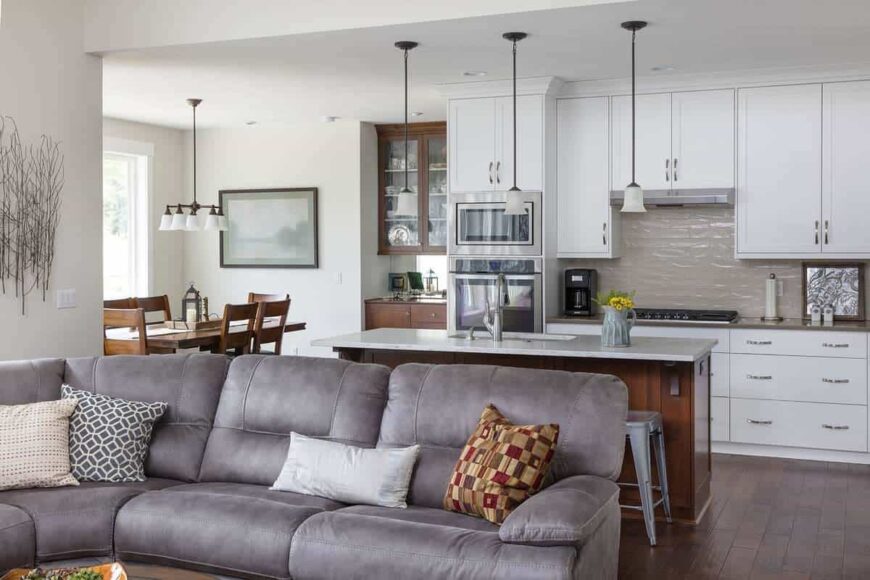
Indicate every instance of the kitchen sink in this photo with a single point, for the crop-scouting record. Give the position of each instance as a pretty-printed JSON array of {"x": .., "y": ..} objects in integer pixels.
[{"x": 520, "y": 337}]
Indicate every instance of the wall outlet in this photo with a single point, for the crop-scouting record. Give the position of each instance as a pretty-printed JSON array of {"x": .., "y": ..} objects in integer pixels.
[{"x": 66, "y": 298}]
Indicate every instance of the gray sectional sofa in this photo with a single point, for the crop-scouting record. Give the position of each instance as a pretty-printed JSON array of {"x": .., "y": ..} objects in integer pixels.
[{"x": 206, "y": 504}]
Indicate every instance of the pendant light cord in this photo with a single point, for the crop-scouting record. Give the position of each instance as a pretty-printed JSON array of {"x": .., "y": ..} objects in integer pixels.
[
  {"x": 515, "y": 114},
  {"x": 406, "y": 121},
  {"x": 633, "y": 116},
  {"x": 194, "y": 154}
]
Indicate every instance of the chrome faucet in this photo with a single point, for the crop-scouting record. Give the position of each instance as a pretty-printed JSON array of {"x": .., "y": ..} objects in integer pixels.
[{"x": 493, "y": 318}]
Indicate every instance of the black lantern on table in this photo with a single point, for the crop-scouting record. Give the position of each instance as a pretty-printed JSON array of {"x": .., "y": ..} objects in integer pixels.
[
  {"x": 191, "y": 305},
  {"x": 431, "y": 282}
]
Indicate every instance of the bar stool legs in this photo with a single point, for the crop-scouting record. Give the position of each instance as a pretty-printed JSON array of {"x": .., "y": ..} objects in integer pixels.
[{"x": 643, "y": 429}]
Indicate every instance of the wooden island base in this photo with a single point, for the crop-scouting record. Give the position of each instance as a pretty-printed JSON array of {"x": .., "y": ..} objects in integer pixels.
[{"x": 680, "y": 391}]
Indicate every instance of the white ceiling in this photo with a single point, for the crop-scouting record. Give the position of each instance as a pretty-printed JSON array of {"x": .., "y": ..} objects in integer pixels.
[{"x": 357, "y": 74}]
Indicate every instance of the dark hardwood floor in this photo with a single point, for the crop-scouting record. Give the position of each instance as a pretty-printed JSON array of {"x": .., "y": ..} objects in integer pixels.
[{"x": 770, "y": 518}]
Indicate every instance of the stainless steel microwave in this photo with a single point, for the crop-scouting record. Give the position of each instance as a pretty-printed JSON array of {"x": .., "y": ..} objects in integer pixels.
[{"x": 479, "y": 226}]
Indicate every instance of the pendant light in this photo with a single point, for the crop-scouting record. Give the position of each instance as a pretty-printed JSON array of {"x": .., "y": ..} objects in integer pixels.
[
  {"x": 407, "y": 202},
  {"x": 632, "y": 202},
  {"x": 179, "y": 221},
  {"x": 514, "y": 202}
]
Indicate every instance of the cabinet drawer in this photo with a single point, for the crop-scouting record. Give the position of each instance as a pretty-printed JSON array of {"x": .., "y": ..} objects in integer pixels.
[
  {"x": 388, "y": 316},
  {"x": 800, "y": 343},
  {"x": 719, "y": 373},
  {"x": 719, "y": 422},
  {"x": 814, "y": 425},
  {"x": 819, "y": 380},
  {"x": 427, "y": 315}
]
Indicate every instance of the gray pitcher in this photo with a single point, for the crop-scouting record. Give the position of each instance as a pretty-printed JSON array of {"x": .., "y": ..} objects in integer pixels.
[{"x": 616, "y": 330}]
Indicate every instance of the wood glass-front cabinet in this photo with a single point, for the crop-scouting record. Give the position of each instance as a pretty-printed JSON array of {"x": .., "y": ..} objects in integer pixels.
[{"x": 417, "y": 225}]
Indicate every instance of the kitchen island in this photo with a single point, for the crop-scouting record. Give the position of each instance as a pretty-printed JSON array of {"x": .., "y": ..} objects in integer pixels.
[{"x": 668, "y": 375}]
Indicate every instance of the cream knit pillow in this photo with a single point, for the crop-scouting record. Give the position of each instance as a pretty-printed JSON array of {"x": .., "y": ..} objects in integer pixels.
[{"x": 34, "y": 445}]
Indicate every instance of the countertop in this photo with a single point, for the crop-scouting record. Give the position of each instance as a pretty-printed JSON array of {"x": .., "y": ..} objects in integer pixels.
[
  {"x": 415, "y": 300},
  {"x": 657, "y": 349},
  {"x": 749, "y": 323}
]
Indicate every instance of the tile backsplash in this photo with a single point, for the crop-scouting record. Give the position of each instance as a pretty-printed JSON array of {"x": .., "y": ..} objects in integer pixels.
[{"x": 684, "y": 258}]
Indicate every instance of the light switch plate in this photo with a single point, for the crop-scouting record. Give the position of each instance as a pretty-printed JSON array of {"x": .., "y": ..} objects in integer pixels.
[{"x": 66, "y": 298}]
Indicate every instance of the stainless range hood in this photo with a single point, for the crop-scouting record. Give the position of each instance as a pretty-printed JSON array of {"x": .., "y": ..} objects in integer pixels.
[{"x": 717, "y": 197}]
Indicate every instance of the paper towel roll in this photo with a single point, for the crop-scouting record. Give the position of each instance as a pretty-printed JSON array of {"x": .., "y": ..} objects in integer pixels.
[{"x": 770, "y": 298}]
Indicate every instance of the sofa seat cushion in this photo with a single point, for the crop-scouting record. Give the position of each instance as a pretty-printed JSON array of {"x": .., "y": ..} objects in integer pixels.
[
  {"x": 234, "y": 529},
  {"x": 419, "y": 542},
  {"x": 17, "y": 538},
  {"x": 73, "y": 522}
]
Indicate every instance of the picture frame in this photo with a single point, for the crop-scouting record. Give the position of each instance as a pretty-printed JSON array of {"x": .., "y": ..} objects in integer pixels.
[
  {"x": 269, "y": 228},
  {"x": 838, "y": 283}
]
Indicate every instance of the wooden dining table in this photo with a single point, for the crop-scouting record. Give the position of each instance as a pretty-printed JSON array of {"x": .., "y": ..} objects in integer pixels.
[{"x": 205, "y": 339}]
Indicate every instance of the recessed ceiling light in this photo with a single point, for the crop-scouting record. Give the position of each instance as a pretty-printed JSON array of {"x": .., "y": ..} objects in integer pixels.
[
  {"x": 662, "y": 68},
  {"x": 250, "y": 122},
  {"x": 417, "y": 114},
  {"x": 474, "y": 73}
]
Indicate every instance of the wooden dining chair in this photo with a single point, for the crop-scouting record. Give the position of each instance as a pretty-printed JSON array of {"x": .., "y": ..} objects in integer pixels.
[
  {"x": 254, "y": 297},
  {"x": 238, "y": 341},
  {"x": 120, "y": 303},
  {"x": 273, "y": 334},
  {"x": 130, "y": 319},
  {"x": 155, "y": 304}
]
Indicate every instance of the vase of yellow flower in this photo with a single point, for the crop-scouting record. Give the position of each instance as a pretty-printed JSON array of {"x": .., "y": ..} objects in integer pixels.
[{"x": 619, "y": 318}]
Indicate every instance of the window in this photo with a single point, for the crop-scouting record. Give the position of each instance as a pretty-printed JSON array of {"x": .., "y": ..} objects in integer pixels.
[{"x": 125, "y": 220}]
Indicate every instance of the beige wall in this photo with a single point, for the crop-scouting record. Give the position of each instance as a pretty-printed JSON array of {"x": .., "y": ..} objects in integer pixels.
[
  {"x": 51, "y": 87},
  {"x": 684, "y": 258},
  {"x": 167, "y": 186}
]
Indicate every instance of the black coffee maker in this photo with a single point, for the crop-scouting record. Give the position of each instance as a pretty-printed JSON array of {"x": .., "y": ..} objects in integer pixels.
[{"x": 580, "y": 288}]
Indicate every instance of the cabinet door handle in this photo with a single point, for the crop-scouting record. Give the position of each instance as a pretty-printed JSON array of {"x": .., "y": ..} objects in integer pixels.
[
  {"x": 826, "y": 232},
  {"x": 759, "y": 342},
  {"x": 490, "y": 172},
  {"x": 835, "y": 344},
  {"x": 675, "y": 168},
  {"x": 835, "y": 381},
  {"x": 835, "y": 427},
  {"x": 667, "y": 169},
  {"x": 498, "y": 172},
  {"x": 817, "y": 233},
  {"x": 759, "y": 422},
  {"x": 760, "y": 377},
  {"x": 604, "y": 233}
]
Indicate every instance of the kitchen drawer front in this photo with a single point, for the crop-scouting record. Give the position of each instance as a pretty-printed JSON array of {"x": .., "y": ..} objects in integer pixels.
[
  {"x": 720, "y": 370},
  {"x": 718, "y": 334},
  {"x": 800, "y": 343},
  {"x": 720, "y": 424},
  {"x": 811, "y": 425},
  {"x": 427, "y": 315},
  {"x": 388, "y": 316},
  {"x": 819, "y": 380}
]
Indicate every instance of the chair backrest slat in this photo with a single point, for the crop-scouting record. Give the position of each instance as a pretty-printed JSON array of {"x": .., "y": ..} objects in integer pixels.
[
  {"x": 131, "y": 318},
  {"x": 254, "y": 297},
  {"x": 120, "y": 303},
  {"x": 154, "y": 304},
  {"x": 269, "y": 310}
]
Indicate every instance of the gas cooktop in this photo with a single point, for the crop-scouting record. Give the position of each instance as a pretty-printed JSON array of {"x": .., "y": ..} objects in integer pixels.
[{"x": 684, "y": 315}]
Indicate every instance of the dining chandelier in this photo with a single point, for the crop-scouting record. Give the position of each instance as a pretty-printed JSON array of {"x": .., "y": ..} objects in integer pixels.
[{"x": 190, "y": 222}]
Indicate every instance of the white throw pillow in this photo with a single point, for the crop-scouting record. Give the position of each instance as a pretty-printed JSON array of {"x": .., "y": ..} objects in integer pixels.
[{"x": 346, "y": 473}]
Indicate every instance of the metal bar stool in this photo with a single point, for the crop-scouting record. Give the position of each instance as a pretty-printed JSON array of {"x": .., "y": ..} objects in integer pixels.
[{"x": 643, "y": 426}]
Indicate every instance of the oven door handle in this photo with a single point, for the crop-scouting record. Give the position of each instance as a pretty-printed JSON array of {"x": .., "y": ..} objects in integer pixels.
[{"x": 494, "y": 276}]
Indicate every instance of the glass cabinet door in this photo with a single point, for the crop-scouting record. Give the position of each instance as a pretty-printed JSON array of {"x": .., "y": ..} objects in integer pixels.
[
  {"x": 401, "y": 210},
  {"x": 436, "y": 151}
]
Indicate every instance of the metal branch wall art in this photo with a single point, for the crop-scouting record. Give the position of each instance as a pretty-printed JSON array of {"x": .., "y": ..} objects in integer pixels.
[{"x": 31, "y": 180}]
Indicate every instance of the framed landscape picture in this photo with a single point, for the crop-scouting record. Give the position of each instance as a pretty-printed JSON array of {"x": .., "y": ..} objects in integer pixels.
[
  {"x": 839, "y": 284},
  {"x": 269, "y": 228}
]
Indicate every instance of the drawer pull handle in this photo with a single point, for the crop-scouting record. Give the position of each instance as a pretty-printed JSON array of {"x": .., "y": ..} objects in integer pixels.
[
  {"x": 835, "y": 344},
  {"x": 835, "y": 381},
  {"x": 759, "y": 342},
  {"x": 835, "y": 427},
  {"x": 433, "y": 315},
  {"x": 760, "y": 377},
  {"x": 759, "y": 422}
]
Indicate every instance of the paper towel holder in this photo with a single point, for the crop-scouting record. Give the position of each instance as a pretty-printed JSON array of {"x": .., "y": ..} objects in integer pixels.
[{"x": 770, "y": 300}]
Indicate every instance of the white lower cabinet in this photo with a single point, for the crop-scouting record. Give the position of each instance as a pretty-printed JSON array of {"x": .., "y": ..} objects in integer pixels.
[
  {"x": 720, "y": 424},
  {"x": 809, "y": 425},
  {"x": 720, "y": 372}
]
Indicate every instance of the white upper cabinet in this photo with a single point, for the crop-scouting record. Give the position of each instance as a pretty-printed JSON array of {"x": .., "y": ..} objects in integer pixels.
[
  {"x": 481, "y": 144},
  {"x": 586, "y": 219},
  {"x": 845, "y": 162},
  {"x": 702, "y": 140},
  {"x": 472, "y": 135},
  {"x": 779, "y": 170},
  {"x": 653, "y": 141}
]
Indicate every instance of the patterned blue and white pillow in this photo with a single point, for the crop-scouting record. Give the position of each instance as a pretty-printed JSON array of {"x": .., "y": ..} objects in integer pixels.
[{"x": 109, "y": 437}]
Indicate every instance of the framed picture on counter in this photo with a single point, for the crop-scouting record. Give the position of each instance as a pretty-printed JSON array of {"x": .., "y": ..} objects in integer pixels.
[
  {"x": 269, "y": 228},
  {"x": 838, "y": 284}
]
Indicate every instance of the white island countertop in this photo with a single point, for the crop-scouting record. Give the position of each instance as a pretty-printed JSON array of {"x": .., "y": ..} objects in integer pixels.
[{"x": 642, "y": 348}]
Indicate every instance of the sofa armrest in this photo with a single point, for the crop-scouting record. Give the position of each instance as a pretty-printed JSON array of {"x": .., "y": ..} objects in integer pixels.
[{"x": 566, "y": 513}]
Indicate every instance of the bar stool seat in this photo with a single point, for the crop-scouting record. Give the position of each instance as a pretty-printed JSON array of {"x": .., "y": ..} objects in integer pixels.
[{"x": 641, "y": 428}]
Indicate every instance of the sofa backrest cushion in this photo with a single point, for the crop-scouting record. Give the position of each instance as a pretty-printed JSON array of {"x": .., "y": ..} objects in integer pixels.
[
  {"x": 30, "y": 381},
  {"x": 438, "y": 407},
  {"x": 189, "y": 383},
  {"x": 265, "y": 398}
]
